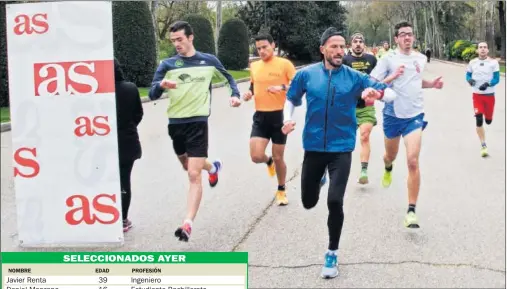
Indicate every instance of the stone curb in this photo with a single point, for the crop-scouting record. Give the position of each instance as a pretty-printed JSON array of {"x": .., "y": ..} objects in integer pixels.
[
  {"x": 6, "y": 126},
  {"x": 460, "y": 64}
]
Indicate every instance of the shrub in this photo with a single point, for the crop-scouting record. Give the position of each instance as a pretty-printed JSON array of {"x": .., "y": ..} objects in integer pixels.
[
  {"x": 204, "y": 40},
  {"x": 166, "y": 49},
  {"x": 469, "y": 53},
  {"x": 134, "y": 41},
  {"x": 233, "y": 48},
  {"x": 458, "y": 47}
]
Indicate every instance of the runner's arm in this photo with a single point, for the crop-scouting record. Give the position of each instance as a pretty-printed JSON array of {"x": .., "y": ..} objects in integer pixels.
[
  {"x": 388, "y": 95},
  {"x": 232, "y": 83},
  {"x": 294, "y": 95},
  {"x": 496, "y": 75},
  {"x": 155, "y": 90},
  {"x": 381, "y": 70}
]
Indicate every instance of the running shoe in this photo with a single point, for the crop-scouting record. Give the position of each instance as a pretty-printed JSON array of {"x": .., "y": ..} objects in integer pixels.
[
  {"x": 484, "y": 151},
  {"x": 213, "y": 178},
  {"x": 330, "y": 269},
  {"x": 387, "y": 179},
  {"x": 183, "y": 232},
  {"x": 271, "y": 167},
  {"x": 281, "y": 198},
  {"x": 411, "y": 221},
  {"x": 363, "y": 179},
  {"x": 127, "y": 225}
]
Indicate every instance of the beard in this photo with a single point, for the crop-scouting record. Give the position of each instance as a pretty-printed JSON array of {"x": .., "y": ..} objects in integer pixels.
[{"x": 332, "y": 61}]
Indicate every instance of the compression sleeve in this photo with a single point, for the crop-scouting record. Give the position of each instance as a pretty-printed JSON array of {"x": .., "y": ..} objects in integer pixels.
[
  {"x": 297, "y": 88},
  {"x": 288, "y": 111},
  {"x": 468, "y": 76},
  {"x": 496, "y": 78},
  {"x": 251, "y": 87},
  {"x": 155, "y": 90}
]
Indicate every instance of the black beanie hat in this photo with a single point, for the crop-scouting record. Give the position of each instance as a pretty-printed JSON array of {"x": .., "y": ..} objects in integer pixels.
[{"x": 330, "y": 32}]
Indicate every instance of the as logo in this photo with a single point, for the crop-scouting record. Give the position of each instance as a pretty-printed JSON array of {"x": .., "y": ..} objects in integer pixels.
[{"x": 179, "y": 63}]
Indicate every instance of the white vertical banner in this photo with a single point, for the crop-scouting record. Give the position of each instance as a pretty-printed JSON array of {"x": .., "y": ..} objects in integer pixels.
[{"x": 63, "y": 120}]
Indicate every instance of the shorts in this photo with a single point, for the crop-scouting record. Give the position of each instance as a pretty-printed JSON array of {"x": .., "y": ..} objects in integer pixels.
[
  {"x": 190, "y": 138},
  {"x": 268, "y": 125},
  {"x": 395, "y": 127},
  {"x": 366, "y": 115},
  {"x": 484, "y": 104}
]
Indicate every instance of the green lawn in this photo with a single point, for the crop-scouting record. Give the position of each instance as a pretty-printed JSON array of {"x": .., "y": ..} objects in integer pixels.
[
  {"x": 502, "y": 68},
  {"x": 5, "y": 114},
  {"x": 143, "y": 91}
]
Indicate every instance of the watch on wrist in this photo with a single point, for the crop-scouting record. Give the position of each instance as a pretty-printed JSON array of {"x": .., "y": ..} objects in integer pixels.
[{"x": 284, "y": 87}]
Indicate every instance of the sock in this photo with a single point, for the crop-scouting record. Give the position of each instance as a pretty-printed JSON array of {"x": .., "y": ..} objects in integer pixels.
[
  {"x": 213, "y": 169},
  {"x": 270, "y": 161},
  {"x": 332, "y": 252},
  {"x": 281, "y": 188},
  {"x": 364, "y": 165},
  {"x": 389, "y": 168},
  {"x": 411, "y": 208},
  {"x": 483, "y": 144},
  {"x": 187, "y": 221}
]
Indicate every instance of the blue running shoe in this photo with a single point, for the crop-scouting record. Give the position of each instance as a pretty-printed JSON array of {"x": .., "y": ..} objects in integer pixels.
[{"x": 330, "y": 269}]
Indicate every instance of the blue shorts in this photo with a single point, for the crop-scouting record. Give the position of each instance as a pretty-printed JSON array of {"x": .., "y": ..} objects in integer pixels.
[{"x": 395, "y": 127}]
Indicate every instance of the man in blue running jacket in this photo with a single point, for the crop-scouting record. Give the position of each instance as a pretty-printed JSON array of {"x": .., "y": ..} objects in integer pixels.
[{"x": 329, "y": 135}]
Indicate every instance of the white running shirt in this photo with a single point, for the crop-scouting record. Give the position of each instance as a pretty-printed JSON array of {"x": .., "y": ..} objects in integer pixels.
[
  {"x": 408, "y": 87},
  {"x": 482, "y": 71}
]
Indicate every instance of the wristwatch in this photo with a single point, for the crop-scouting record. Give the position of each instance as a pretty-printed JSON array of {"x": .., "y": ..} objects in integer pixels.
[{"x": 284, "y": 87}]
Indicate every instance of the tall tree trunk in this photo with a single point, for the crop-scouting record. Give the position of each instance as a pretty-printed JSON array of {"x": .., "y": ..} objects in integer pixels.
[{"x": 501, "y": 17}]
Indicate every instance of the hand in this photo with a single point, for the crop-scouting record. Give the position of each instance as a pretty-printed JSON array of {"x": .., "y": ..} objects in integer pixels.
[
  {"x": 399, "y": 71},
  {"x": 438, "y": 83},
  {"x": 247, "y": 95},
  {"x": 370, "y": 95},
  {"x": 235, "y": 101},
  {"x": 288, "y": 127},
  {"x": 275, "y": 88},
  {"x": 168, "y": 84},
  {"x": 471, "y": 82},
  {"x": 484, "y": 86}
]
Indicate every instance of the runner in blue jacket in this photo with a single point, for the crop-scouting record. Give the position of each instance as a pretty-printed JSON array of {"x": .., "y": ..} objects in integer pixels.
[{"x": 329, "y": 135}]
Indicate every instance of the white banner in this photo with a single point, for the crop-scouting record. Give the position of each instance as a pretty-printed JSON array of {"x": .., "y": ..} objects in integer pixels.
[{"x": 63, "y": 119}]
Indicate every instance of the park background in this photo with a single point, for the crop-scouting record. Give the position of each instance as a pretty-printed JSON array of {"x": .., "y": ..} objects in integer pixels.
[{"x": 226, "y": 29}]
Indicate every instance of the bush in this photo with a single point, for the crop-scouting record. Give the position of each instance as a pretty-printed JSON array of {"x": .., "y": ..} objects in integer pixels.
[
  {"x": 134, "y": 41},
  {"x": 166, "y": 49},
  {"x": 469, "y": 53},
  {"x": 458, "y": 47},
  {"x": 4, "y": 82},
  {"x": 204, "y": 40},
  {"x": 233, "y": 48}
]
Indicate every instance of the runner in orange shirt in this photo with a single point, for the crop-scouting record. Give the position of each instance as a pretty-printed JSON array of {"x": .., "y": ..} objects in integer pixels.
[{"x": 270, "y": 78}]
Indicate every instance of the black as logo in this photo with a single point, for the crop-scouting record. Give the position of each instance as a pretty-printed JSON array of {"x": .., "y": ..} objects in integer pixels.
[{"x": 184, "y": 77}]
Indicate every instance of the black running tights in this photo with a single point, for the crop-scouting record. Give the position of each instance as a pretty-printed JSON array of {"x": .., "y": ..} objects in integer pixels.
[
  {"x": 126, "y": 192},
  {"x": 338, "y": 165}
]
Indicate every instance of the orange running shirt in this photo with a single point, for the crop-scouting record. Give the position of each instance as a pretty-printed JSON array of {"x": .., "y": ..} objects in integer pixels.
[{"x": 276, "y": 71}]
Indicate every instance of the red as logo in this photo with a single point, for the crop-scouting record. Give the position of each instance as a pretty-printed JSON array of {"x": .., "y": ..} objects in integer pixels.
[
  {"x": 87, "y": 210},
  {"x": 28, "y": 25},
  {"x": 29, "y": 162},
  {"x": 72, "y": 78},
  {"x": 86, "y": 126}
]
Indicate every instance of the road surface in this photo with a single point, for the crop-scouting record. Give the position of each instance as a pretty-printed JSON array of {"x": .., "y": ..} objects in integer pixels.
[{"x": 461, "y": 206}]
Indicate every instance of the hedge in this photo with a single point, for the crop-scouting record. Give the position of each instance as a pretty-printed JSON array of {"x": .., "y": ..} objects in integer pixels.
[
  {"x": 233, "y": 48},
  {"x": 134, "y": 41}
]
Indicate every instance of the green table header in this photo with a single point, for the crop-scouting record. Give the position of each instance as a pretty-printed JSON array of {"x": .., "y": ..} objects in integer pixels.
[{"x": 124, "y": 257}]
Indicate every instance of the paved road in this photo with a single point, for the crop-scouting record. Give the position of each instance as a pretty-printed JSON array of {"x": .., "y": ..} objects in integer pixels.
[{"x": 461, "y": 208}]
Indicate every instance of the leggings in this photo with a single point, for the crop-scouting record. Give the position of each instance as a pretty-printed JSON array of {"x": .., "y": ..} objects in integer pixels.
[
  {"x": 126, "y": 193},
  {"x": 314, "y": 166}
]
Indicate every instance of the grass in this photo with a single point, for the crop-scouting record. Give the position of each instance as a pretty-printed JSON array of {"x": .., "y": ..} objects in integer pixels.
[
  {"x": 502, "y": 68},
  {"x": 236, "y": 74},
  {"x": 5, "y": 114}
]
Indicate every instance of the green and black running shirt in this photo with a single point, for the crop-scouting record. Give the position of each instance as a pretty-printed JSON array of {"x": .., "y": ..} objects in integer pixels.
[
  {"x": 190, "y": 101},
  {"x": 364, "y": 64}
]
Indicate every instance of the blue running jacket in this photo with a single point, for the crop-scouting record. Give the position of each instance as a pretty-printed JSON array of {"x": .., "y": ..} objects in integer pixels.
[{"x": 331, "y": 98}]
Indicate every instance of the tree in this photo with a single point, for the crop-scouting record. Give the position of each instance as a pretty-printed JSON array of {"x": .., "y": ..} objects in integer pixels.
[
  {"x": 233, "y": 48},
  {"x": 134, "y": 44},
  {"x": 4, "y": 82},
  {"x": 203, "y": 33},
  {"x": 501, "y": 17}
]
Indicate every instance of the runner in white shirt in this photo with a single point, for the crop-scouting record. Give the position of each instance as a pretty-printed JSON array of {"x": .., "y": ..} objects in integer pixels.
[
  {"x": 483, "y": 73},
  {"x": 404, "y": 117}
]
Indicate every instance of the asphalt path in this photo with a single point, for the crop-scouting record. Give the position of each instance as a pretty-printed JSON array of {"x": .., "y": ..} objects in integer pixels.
[{"x": 461, "y": 206}]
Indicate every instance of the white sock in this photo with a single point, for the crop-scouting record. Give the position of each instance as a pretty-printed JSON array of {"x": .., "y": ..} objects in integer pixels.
[
  {"x": 333, "y": 252},
  {"x": 213, "y": 169},
  {"x": 187, "y": 221}
]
